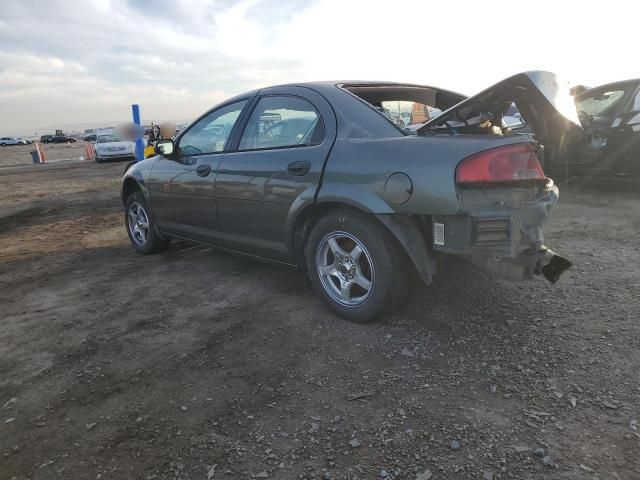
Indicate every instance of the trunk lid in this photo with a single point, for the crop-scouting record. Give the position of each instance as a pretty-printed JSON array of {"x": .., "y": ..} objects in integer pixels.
[{"x": 542, "y": 100}]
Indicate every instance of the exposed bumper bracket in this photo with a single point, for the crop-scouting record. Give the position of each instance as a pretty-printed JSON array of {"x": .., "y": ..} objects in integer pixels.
[
  {"x": 543, "y": 262},
  {"x": 555, "y": 266}
]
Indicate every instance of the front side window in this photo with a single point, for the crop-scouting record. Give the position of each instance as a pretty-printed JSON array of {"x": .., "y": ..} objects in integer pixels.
[
  {"x": 278, "y": 122},
  {"x": 211, "y": 133}
]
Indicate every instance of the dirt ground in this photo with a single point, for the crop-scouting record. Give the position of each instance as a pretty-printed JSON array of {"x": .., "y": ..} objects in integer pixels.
[{"x": 195, "y": 364}]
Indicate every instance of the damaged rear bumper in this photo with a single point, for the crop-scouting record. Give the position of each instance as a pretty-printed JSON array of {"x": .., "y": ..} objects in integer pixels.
[
  {"x": 500, "y": 229},
  {"x": 523, "y": 267}
]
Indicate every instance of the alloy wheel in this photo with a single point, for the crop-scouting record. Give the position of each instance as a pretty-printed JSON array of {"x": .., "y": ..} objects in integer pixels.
[
  {"x": 345, "y": 269},
  {"x": 138, "y": 222}
]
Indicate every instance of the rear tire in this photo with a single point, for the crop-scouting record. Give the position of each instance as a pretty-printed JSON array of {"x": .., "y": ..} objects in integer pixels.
[
  {"x": 140, "y": 226},
  {"x": 356, "y": 266}
]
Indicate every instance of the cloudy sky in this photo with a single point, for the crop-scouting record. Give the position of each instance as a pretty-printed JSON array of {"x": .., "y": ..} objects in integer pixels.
[{"x": 82, "y": 63}]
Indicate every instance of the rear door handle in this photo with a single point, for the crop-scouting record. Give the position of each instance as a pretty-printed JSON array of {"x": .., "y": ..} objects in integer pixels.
[
  {"x": 299, "y": 168},
  {"x": 203, "y": 170}
]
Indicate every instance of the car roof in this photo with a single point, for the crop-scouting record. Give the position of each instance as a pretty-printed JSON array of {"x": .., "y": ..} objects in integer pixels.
[
  {"x": 332, "y": 84},
  {"x": 618, "y": 84},
  {"x": 324, "y": 85},
  {"x": 334, "y": 93}
]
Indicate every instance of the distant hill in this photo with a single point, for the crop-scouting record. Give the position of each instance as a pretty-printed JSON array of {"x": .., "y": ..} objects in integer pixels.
[{"x": 77, "y": 127}]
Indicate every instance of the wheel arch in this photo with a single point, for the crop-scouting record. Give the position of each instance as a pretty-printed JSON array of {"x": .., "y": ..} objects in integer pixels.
[
  {"x": 134, "y": 179},
  {"x": 408, "y": 230},
  {"x": 129, "y": 186},
  {"x": 304, "y": 221}
]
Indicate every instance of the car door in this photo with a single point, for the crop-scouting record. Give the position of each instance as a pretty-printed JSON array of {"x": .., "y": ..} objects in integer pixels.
[
  {"x": 182, "y": 186},
  {"x": 623, "y": 142},
  {"x": 276, "y": 161},
  {"x": 599, "y": 111}
]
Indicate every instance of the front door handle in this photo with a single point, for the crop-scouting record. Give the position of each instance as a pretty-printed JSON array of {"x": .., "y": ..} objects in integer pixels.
[
  {"x": 299, "y": 168},
  {"x": 203, "y": 170}
]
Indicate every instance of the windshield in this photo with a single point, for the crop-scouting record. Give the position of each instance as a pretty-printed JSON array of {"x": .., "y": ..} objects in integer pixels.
[
  {"x": 108, "y": 138},
  {"x": 600, "y": 104}
]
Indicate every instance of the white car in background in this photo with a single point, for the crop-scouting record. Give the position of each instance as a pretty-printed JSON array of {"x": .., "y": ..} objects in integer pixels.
[
  {"x": 110, "y": 146},
  {"x": 5, "y": 141},
  {"x": 512, "y": 118}
]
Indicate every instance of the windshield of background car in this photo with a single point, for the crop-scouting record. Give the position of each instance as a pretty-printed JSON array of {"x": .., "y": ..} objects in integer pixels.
[
  {"x": 108, "y": 138},
  {"x": 601, "y": 104}
]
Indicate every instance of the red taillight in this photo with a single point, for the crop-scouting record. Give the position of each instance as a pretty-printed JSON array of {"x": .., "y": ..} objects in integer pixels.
[{"x": 503, "y": 164}]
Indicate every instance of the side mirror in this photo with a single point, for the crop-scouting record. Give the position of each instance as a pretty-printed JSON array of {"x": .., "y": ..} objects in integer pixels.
[{"x": 166, "y": 148}]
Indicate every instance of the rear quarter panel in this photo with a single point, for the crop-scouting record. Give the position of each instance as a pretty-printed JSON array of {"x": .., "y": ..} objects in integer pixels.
[{"x": 358, "y": 169}]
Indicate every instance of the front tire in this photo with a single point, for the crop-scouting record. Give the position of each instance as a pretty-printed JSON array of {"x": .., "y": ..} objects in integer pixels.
[
  {"x": 356, "y": 266},
  {"x": 140, "y": 227}
]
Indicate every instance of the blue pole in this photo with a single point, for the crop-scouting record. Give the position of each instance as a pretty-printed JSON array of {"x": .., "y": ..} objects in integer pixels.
[{"x": 135, "y": 110}]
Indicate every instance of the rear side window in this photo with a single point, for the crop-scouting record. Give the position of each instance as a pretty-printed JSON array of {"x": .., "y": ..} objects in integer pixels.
[{"x": 282, "y": 121}]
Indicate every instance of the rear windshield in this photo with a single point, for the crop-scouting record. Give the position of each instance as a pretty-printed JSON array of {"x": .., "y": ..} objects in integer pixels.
[{"x": 406, "y": 105}]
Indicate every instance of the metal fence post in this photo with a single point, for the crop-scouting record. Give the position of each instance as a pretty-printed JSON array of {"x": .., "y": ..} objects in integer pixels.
[{"x": 135, "y": 110}]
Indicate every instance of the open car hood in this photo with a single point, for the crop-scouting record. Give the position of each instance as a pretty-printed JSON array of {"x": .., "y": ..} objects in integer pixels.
[{"x": 543, "y": 101}]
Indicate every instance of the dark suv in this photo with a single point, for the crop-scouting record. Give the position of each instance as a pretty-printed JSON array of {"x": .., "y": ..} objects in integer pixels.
[
  {"x": 46, "y": 138},
  {"x": 61, "y": 139}
]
